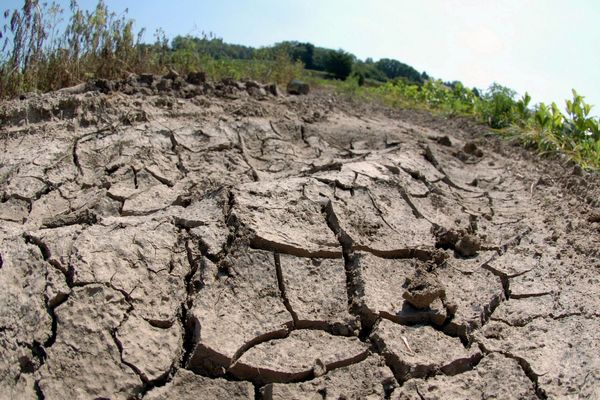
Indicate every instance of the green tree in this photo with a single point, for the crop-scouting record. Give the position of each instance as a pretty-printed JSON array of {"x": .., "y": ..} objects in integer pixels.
[
  {"x": 395, "y": 69},
  {"x": 368, "y": 71},
  {"x": 499, "y": 107},
  {"x": 303, "y": 52},
  {"x": 339, "y": 63},
  {"x": 210, "y": 45}
]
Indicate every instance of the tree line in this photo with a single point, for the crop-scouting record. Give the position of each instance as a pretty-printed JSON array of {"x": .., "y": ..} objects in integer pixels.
[{"x": 339, "y": 64}]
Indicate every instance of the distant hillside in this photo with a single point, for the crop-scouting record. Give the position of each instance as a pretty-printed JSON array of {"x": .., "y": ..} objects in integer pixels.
[{"x": 337, "y": 63}]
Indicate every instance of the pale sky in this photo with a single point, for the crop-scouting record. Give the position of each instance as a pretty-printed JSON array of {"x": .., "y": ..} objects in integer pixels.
[{"x": 545, "y": 47}]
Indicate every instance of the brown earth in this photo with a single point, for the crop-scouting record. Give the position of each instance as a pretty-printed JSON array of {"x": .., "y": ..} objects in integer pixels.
[{"x": 163, "y": 238}]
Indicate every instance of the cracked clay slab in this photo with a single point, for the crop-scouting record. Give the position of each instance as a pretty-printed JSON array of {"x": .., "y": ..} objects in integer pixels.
[
  {"x": 316, "y": 291},
  {"x": 379, "y": 220},
  {"x": 239, "y": 305},
  {"x": 379, "y": 286},
  {"x": 474, "y": 296},
  {"x": 285, "y": 216},
  {"x": 556, "y": 350},
  {"x": 145, "y": 260},
  {"x": 304, "y": 353},
  {"x": 85, "y": 361},
  {"x": 25, "y": 324},
  {"x": 151, "y": 350},
  {"x": 420, "y": 351},
  {"x": 369, "y": 379},
  {"x": 495, "y": 377},
  {"x": 186, "y": 385}
]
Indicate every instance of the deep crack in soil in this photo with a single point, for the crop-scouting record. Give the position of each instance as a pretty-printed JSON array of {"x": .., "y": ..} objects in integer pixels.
[{"x": 217, "y": 241}]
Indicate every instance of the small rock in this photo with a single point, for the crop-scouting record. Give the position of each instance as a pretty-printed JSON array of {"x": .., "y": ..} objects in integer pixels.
[
  {"x": 229, "y": 82},
  {"x": 297, "y": 87},
  {"x": 465, "y": 244},
  {"x": 256, "y": 91},
  {"x": 104, "y": 85},
  {"x": 164, "y": 84},
  {"x": 178, "y": 83},
  {"x": 446, "y": 238}
]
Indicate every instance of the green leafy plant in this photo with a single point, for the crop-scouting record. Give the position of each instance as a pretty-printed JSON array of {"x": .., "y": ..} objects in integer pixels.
[
  {"x": 522, "y": 109},
  {"x": 498, "y": 107},
  {"x": 579, "y": 123}
]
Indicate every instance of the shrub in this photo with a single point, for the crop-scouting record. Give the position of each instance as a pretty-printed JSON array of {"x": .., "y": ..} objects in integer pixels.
[
  {"x": 579, "y": 123},
  {"x": 498, "y": 106}
]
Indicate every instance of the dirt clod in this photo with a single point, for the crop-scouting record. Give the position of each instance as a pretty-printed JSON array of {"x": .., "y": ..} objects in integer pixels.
[
  {"x": 422, "y": 288},
  {"x": 467, "y": 245},
  {"x": 297, "y": 87},
  {"x": 472, "y": 149},
  {"x": 444, "y": 140},
  {"x": 594, "y": 217}
]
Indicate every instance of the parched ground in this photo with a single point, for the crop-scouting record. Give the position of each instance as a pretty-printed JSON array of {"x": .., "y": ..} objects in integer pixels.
[{"x": 165, "y": 239}]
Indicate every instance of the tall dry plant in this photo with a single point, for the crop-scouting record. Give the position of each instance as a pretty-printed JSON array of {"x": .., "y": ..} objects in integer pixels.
[
  {"x": 35, "y": 55},
  {"x": 43, "y": 50}
]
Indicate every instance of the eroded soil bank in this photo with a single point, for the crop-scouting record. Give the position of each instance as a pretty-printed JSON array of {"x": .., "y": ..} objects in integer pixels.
[{"x": 163, "y": 238}]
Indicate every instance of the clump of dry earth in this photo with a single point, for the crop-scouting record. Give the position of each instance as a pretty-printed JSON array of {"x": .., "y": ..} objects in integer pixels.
[{"x": 164, "y": 237}]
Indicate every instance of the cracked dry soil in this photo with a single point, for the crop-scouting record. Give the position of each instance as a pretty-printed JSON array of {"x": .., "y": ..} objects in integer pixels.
[{"x": 164, "y": 239}]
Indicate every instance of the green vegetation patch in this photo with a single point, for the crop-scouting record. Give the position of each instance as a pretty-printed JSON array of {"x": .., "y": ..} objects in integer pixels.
[{"x": 575, "y": 133}]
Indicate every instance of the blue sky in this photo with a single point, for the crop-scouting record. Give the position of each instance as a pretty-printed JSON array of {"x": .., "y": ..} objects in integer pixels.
[{"x": 544, "y": 46}]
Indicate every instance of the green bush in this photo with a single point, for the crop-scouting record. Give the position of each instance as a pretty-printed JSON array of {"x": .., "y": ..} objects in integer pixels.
[{"x": 498, "y": 108}]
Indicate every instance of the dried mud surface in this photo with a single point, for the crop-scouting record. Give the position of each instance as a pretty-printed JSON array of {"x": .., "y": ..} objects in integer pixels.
[{"x": 163, "y": 238}]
